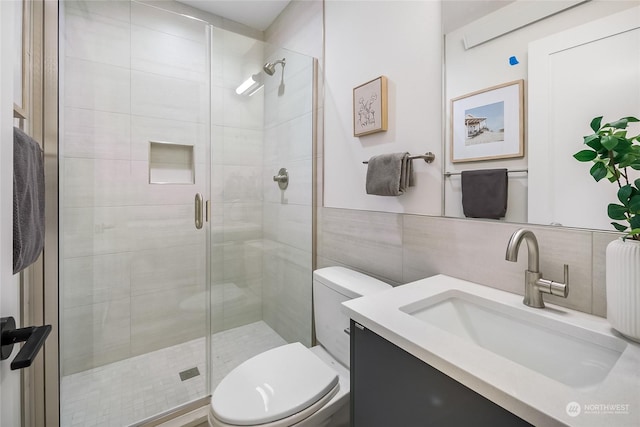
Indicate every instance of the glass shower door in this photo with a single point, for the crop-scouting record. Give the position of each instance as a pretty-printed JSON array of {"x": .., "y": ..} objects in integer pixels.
[{"x": 135, "y": 135}]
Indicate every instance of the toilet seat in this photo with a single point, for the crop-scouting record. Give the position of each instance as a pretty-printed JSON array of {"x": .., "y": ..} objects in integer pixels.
[{"x": 288, "y": 382}]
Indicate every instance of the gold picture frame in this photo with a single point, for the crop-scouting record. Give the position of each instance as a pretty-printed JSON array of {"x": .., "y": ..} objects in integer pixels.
[
  {"x": 370, "y": 107},
  {"x": 488, "y": 124}
]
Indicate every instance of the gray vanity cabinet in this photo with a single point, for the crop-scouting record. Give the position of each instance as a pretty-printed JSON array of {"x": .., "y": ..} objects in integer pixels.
[{"x": 390, "y": 387}]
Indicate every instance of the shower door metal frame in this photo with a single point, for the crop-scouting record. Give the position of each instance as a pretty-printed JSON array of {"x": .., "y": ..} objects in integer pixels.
[
  {"x": 51, "y": 259},
  {"x": 40, "y": 384}
]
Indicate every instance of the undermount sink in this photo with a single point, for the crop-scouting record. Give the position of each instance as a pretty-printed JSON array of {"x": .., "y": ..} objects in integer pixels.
[{"x": 572, "y": 355}]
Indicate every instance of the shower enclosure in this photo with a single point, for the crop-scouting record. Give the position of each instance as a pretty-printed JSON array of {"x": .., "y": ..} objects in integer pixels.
[{"x": 180, "y": 256}]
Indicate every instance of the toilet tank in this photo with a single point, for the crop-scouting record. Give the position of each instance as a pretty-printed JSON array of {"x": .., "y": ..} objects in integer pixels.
[{"x": 331, "y": 287}]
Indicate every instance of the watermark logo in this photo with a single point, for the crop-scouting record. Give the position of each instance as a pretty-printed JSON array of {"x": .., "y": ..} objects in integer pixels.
[
  {"x": 573, "y": 409},
  {"x": 606, "y": 408}
]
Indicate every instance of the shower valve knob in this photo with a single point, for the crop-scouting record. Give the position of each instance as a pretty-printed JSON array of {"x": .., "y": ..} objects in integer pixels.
[{"x": 282, "y": 179}]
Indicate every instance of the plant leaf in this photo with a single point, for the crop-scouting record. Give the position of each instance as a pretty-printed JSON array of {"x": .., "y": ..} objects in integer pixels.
[
  {"x": 634, "y": 233},
  {"x": 619, "y": 124},
  {"x": 634, "y": 203},
  {"x": 624, "y": 193},
  {"x": 595, "y": 123},
  {"x": 624, "y": 145},
  {"x": 631, "y": 119},
  {"x": 626, "y": 160},
  {"x": 612, "y": 173},
  {"x": 619, "y": 227},
  {"x": 621, "y": 134},
  {"x": 635, "y": 221},
  {"x": 617, "y": 211},
  {"x": 609, "y": 141},
  {"x": 598, "y": 171},
  {"x": 618, "y": 158},
  {"x": 593, "y": 141},
  {"x": 585, "y": 155},
  {"x": 637, "y": 183}
]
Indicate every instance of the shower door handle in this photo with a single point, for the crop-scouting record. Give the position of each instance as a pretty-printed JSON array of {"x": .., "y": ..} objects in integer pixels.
[
  {"x": 199, "y": 214},
  {"x": 33, "y": 338}
]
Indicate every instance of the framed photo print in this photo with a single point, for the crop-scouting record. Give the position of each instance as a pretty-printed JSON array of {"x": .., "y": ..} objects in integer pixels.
[
  {"x": 370, "y": 107},
  {"x": 488, "y": 124}
]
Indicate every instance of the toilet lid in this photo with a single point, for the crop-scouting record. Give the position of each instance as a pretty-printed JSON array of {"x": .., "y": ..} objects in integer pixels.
[{"x": 272, "y": 385}]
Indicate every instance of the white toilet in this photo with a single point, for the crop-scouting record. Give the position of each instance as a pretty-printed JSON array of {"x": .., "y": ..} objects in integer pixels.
[{"x": 293, "y": 385}]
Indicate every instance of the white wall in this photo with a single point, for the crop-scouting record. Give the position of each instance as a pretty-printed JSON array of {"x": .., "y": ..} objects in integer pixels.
[
  {"x": 401, "y": 40},
  {"x": 9, "y": 289},
  {"x": 487, "y": 65}
]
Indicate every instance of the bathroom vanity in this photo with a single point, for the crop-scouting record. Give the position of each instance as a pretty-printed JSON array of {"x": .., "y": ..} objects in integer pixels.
[
  {"x": 444, "y": 351},
  {"x": 391, "y": 387}
]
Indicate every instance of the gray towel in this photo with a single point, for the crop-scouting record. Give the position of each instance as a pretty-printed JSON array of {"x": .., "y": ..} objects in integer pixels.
[
  {"x": 389, "y": 174},
  {"x": 484, "y": 193},
  {"x": 28, "y": 200}
]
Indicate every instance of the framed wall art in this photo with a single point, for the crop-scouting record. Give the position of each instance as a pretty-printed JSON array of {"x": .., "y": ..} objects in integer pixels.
[
  {"x": 370, "y": 107},
  {"x": 488, "y": 124}
]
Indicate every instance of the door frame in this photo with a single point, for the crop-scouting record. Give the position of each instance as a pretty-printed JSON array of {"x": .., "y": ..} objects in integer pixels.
[
  {"x": 41, "y": 382},
  {"x": 51, "y": 279}
]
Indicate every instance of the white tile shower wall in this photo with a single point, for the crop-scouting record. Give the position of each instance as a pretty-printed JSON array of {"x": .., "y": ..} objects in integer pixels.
[
  {"x": 129, "y": 285},
  {"x": 298, "y": 28},
  {"x": 402, "y": 248},
  {"x": 288, "y": 215}
]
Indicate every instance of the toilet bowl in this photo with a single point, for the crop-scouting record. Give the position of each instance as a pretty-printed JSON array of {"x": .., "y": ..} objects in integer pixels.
[{"x": 293, "y": 385}]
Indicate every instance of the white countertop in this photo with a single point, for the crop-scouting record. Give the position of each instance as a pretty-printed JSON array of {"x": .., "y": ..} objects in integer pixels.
[{"x": 532, "y": 396}]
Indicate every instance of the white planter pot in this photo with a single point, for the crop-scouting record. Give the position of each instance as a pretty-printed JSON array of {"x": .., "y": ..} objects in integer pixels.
[{"x": 623, "y": 287}]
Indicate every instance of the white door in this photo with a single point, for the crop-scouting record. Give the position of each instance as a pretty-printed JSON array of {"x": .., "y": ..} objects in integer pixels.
[
  {"x": 570, "y": 83},
  {"x": 9, "y": 288}
]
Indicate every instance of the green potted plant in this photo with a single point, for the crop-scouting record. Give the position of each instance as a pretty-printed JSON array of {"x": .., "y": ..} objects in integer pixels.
[{"x": 615, "y": 154}]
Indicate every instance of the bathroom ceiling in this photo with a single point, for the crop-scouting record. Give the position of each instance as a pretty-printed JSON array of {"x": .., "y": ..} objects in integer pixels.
[
  {"x": 258, "y": 14},
  {"x": 458, "y": 13}
]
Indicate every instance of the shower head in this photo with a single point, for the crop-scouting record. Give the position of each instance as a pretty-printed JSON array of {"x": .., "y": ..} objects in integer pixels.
[{"x": 270, "y": 67}]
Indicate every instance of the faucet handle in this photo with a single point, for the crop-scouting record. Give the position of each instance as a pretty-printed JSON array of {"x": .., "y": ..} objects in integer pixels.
[
  {"x": 561, "y": 289},
  {"x": 555, "y": 288}
]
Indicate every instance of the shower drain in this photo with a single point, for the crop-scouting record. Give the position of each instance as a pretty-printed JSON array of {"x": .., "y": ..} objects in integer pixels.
[{"x": 189, "y": 373}]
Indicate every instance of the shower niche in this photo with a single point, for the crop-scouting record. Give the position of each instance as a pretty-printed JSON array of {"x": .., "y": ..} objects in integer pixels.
[{"x": 171, "y": 163}]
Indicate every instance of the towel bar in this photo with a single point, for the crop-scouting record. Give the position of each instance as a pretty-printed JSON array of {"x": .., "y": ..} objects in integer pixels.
[
  {"x": 428, "y": 157},
  {"x": 448, "y": 174}
]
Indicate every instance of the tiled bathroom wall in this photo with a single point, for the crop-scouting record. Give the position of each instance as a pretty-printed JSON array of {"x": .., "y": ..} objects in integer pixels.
[
  {"x": 287, "y": 215},
  {"x": 290, "y": 114},
  {"x": 401, "y": 248},
  {"x": 131, "y": 282}
]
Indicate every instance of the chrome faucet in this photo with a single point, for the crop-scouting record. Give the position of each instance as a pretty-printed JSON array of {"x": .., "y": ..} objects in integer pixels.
[{"x": 534, "y": 284}]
